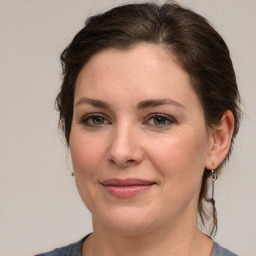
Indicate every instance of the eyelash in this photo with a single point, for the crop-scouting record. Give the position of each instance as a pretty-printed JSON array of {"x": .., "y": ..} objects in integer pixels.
[
  {"x": 86, "y": 120},
  {"x": 163, "y": 117}
]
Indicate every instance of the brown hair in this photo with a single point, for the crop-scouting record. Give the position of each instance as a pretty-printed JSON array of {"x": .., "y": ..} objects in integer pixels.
[{"x": 200, "y": 50}]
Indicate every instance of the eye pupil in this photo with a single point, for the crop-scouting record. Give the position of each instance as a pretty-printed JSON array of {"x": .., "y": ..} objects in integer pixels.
[
  {"x": 159, "y": 120},
  {"x": 98, "y": 120}
]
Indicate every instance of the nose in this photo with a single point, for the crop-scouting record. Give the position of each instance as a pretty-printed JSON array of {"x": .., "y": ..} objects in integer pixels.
[{"x": 125, "y": 147}]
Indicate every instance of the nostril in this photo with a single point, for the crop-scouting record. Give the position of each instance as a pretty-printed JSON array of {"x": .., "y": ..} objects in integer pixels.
[
  {"x": 130, "y": 161},
  {"x": 123, "y": 163}
]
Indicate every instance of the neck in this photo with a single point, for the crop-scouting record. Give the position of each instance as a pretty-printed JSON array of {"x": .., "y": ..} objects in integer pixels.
[{"x": 179, "y": 239}]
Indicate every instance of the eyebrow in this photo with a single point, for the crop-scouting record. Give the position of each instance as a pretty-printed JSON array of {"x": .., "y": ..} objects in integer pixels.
[
  {"x": 141, "y": 105},
  {"x": 158, "y": 102},
  {"x": 93, "y": 102}
]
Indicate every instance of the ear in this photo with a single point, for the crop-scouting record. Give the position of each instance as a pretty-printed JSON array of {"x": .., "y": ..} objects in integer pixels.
[{"x": 220, "y": 139}]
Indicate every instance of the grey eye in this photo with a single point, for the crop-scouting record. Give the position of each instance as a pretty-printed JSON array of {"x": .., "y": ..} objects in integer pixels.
[
  {"x": 94, "y": 120},
  {"x": 160, "y": 120},
  {"x": 97, "y": 120}
]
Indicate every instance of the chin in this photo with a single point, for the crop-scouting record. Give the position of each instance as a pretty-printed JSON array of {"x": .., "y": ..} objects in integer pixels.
[{"x": 129, "y": 221}]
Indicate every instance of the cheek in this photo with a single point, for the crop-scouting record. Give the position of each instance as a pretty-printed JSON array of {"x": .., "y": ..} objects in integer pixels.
[
  {"x": 180, "y": 155},
  {"x": 87, "y": 153},
  {"x": 180, "y": 161}
]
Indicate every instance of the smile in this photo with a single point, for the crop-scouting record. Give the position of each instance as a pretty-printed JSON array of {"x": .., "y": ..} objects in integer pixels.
[{"x": 126, "y": 188}]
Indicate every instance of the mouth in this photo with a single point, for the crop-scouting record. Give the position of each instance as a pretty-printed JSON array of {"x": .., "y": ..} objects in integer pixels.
[{"x": 126, "y": 188}]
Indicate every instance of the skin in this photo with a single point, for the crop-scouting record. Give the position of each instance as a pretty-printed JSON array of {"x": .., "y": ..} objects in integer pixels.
[{"x": 114, "y": 135}]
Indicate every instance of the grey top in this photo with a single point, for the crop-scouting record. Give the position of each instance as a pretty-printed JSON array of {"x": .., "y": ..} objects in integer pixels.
[{"x": 76, "y": 249}]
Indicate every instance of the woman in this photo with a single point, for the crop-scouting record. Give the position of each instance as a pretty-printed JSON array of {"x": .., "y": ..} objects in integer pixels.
[{"x": 149, "y": 106}]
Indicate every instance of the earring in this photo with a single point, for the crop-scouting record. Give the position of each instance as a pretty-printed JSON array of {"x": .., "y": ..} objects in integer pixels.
[
  {"x": 213, "y": 177},
  {"x": 72, "y": 174}
]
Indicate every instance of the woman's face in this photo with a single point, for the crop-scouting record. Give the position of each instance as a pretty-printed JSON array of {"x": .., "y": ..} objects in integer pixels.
[{"x": 138, "y": 140}]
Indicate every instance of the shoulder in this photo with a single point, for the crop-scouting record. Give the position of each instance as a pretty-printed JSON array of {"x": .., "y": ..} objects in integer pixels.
[
  {"x": 69, "y": 250},
  {"x": 220, "y": 251}
]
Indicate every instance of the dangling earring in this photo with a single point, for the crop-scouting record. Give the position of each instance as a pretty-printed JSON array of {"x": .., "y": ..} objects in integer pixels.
[{"x": 213, "y": 177}]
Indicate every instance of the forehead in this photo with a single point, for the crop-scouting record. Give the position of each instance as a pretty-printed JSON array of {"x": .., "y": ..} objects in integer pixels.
[
  {"x": 141, "y": 72},
  {"x": 139, "y": 61}
]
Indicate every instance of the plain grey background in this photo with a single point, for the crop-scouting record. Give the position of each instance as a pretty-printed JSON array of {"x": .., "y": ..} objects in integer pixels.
[{"x": 40, "y": 208}]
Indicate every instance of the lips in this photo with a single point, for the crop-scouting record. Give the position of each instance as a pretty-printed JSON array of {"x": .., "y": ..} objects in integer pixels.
[{"x": 126, "y": 188}]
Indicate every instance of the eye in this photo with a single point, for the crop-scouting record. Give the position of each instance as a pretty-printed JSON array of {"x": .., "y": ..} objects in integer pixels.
[
  {"x": 94, "y": 120},
  {"x": 159, "y": 120}
]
